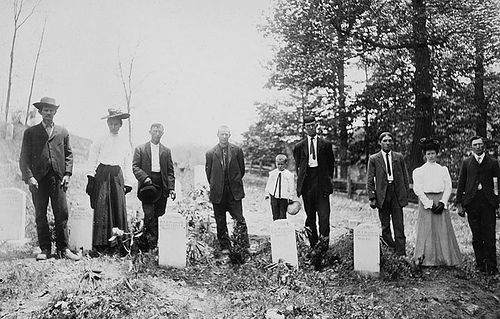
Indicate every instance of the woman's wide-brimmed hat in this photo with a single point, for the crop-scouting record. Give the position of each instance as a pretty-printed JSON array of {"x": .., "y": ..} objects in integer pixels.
[
  {"x": 293, "y": 208},
  {"x": 149, "y": 194},
  {"x": 47, "y": 102},
  {"x": 116, "y": 114},
  {"x": 429, "y": 144}
]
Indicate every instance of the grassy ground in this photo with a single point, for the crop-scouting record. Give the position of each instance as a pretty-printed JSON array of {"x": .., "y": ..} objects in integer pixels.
[{"x": 212, "y": 287}]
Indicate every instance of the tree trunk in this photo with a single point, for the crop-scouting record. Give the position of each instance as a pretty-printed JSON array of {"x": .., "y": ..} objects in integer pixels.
[
  {"x": 479, "y": 99},
  {"x": 343, "y": 121},
  {"x": 11, "y": 66},
  {"x": 422, "y": 86}
]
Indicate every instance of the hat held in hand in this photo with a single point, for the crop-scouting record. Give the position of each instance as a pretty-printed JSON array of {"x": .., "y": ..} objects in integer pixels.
[
  {"x": 293, "y": 208},
  {"x": 149, "y": 194}
]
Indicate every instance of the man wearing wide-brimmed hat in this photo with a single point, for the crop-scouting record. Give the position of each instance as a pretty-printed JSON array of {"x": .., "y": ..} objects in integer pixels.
[
  {"x": 110, "y": 179},
  {"x": 46, "y": 163}
]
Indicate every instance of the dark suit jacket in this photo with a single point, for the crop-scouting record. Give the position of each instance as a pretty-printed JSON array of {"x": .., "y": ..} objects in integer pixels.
[
  {"x": 38, "y": 152},
  {"x": 215, "y": 174},
  {"x": 141, "y": 166},
  {"x": 326, "y": 164},
  {"x": 471, "y": 174},
  {"x": 376, "y": 180}
]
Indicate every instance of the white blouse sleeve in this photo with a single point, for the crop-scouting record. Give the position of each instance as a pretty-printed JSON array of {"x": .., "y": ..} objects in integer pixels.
[
  {"x": 418, "y": 188},
  {"x": 447, "y": 186},
  {"x": 93, "y": 157},
  {"x": 291, "y": 186}
]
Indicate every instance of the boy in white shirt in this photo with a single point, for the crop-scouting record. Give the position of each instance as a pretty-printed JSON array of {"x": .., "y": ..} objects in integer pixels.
[{"x": 280, "y": 187}]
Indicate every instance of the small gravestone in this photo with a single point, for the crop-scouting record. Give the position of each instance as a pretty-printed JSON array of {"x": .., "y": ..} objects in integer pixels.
[
  {"x": 9, "y": 131},
  {"x": 367, "y": 249},
  {"x": 172, "y": 241},
  {"x": 283, "y": 243},
  {"x": 200, "y": 178},
  {"x": 80, "y": 223},
  {"x": 12, "y": 215}
]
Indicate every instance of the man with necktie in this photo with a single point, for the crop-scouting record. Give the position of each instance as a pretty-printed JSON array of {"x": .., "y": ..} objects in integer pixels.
[
  {"x": 279, "y": 187},
  {"x": 387, "y": 184},
  {"x": 46, "y": 163},
  {"x": 477, "y": 194},
  {"x": 314, "y": 164},
  {"x": 225, "y": 167}
]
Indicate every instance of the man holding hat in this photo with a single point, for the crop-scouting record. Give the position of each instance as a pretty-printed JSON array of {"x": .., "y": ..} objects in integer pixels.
[
  {"x": 46, "y": 164},
  {"x": 314, "y": 164},
  {"x": 153, "y": 168}
]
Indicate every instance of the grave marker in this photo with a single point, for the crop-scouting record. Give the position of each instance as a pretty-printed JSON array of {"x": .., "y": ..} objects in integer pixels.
[
  {"x": 12, "y": 215},
  {"x": 172, "y": 241},
  {"x": 283, "y": 242},
  {"x": 80, "y": 222},
  {"x": 367, "y": 249}
]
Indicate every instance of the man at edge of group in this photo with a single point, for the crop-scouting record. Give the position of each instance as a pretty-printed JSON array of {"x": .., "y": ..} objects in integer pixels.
[
  {"x": 225, "y": 168},
  {"x": 477, "y": 195},
  {"x": 387, "y": 184},
  {"x": 152, "y": 165},
  {"x": 46, "y": 164},
  {"x": 314, "y": 165}
]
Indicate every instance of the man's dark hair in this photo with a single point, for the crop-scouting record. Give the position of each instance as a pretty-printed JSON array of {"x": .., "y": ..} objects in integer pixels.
[
  {"x": 476, "y": 137},
  {"x": 384, "y": 134}
]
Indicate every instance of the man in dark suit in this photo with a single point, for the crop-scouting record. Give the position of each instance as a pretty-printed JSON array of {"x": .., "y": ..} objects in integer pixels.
[
  {"x": 225, "y": 168},
  {"x": 46, "y": 163},
  {"x": 314, "y": 164},
  {"x": 387, "y": 184},
  {"x": 152, "y": 165},
  {"x": 477, "y": 194}
]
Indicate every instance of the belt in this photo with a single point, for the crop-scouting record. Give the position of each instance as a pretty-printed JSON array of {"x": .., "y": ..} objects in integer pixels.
[{"x": 390, "y": 182}]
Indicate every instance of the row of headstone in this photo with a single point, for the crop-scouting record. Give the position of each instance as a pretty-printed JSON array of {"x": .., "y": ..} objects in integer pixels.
[{"x": 13, "y": 215}]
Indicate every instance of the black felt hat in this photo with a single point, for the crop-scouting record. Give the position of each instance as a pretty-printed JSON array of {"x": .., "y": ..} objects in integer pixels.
[
  {"x": 149, "y": 194},
  {"x": 309, "y": 119}
]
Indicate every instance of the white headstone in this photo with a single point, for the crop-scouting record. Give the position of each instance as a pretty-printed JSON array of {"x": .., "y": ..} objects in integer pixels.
[
  {"x": 283, "y": 242},
  {"x": 12, "y": 215},
  {"x": 367, "y": 249},
  {"x": 80, "y": 223},
  {"x": 172, "y": 241},
  {"x": 9, "y": 131},
  {"x": 200, "y": 177}
]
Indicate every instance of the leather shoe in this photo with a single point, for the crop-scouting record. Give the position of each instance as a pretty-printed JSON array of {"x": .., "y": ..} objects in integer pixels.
[
  {"x": 68, "y": 254},
  {"x": 44, "y": 255}
]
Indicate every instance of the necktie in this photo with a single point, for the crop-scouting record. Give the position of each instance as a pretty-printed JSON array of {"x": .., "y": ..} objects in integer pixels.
[
  {"x": 388, "y": 164},
  {"x": 313, "y": 151},
  {"x": 278, "y": 186},
  {"x": 224, "y": 158}
]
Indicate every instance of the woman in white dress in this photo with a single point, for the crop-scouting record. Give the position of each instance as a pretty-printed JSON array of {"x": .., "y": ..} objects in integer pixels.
[{"x": 436, "y": 244}]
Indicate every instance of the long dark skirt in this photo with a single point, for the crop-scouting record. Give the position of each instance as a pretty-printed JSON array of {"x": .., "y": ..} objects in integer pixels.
[{"x": 109, "y": 207}]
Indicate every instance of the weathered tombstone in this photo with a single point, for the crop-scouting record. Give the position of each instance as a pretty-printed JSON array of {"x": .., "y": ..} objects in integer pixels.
[
  {"x": 9, "y": 131},
  {"x": 80, "y": 223},
  {"x": 200, "y": 177},
  {"x": 352, "y": 223},
  {"x": 367, "y": 249},
  {"x": 283, "y": 243},
  {"x": 12, "y": 215},
  {"x": 172, "y": 241}
]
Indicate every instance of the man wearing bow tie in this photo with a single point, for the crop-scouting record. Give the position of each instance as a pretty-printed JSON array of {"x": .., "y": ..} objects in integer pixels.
[
  {"x": 387, "y": 184},
  {"x": 314, "y": 164}
]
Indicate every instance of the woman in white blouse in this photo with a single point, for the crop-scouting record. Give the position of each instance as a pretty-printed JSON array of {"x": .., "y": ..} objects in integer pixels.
[
  {"x": 436, "y": 244},
  {"x": 110, "y": 160}
]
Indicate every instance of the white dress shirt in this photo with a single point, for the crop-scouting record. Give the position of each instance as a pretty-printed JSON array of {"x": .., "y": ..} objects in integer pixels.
[
  {"x": 432, "y": 178},
  {"x": 155, "y": 157},
  {"x": 287, "y": 184},
  {"x": 313, "y": 162},
  {"x": 390, "y": 178}
]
